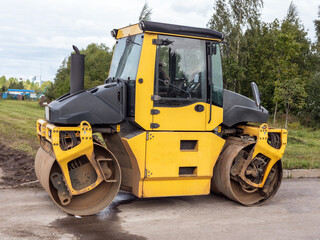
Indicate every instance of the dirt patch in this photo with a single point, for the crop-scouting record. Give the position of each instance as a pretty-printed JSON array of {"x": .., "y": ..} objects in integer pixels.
[{"x": 17, "y": 166}]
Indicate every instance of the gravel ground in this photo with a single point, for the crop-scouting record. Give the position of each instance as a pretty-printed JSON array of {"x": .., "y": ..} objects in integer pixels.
[{"x": 294, "y": 213}]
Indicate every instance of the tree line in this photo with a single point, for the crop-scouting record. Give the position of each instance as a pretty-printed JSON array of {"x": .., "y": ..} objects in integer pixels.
[
  {"x": 278, "y": 56},
  {"x": 14, "y": 83}
]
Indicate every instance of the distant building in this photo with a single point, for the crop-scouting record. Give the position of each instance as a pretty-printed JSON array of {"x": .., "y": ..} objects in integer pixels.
[{"x": 17, "y": 93}]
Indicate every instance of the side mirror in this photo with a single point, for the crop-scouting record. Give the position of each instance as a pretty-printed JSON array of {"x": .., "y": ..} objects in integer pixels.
[{"x": 256, "y": 94}]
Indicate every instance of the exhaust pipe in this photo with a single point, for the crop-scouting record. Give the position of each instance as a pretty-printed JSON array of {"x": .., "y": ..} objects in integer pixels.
[{"x": 77, "y": 71}]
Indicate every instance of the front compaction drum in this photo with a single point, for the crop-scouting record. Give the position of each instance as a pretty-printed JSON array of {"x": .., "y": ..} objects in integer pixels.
[{"x": 81, "y": 179}]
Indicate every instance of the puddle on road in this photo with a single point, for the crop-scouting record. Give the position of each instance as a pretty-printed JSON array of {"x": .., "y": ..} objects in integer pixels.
[{"x": 104, "y": 225}]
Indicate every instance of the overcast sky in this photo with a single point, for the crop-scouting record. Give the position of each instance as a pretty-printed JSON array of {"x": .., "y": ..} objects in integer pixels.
[{"x": 36, "y": 35}]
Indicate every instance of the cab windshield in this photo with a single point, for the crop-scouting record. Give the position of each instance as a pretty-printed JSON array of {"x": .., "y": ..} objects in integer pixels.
[{"x": 126, "y": 58}]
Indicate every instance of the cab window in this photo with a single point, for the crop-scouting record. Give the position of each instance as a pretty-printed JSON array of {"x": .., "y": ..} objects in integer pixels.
[
  {"x": 216, "y": 76},
  {"x": 180, "y": 70}
]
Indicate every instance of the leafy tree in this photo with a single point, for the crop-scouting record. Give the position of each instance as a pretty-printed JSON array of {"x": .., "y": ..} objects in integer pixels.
[
  {"x": 45, "y": 85},
  {"x": 259, "y": 60},
  {"x": 3, "y": 82},
  {"x": 292, "y": 25},
  {"x": 15, "y": 84},
  {"x": 98, "y": 61},
  {"x": 97, "y": 64},
  {"x": 291, "y": 93},
  {"x": 317, "y": 26},
  {"x": 316, "y": 46},
  {"x": 233, "y": 18},
  {"x": 32, "y": 86},
  {"x": 62, "y": 79},
  {"x": 50, "y": 91},
  {"x": 312, "y": 108},
  {"x": 145, "y": 13},
  {"x": 273, "y": 51},
  {"x": 220, "y": 19},
  {"x": 27, "y": 84},
  {"x": 244, "y": 14},
  {"x": 3, "y": 88}
]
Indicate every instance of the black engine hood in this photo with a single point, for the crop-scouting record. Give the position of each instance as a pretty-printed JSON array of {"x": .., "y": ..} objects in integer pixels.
[
  {"x": 240, "y": 109},
  {"x": 105, "y": 104}
]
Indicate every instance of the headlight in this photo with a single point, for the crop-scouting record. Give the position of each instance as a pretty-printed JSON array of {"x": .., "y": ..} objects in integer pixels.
[{"x": 47, "y": 111}]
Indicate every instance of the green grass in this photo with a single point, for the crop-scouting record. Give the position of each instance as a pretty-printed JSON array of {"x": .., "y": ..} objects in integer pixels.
[
  {"x": 18, "y": 130},
  {"x": 303, "y": 148},
  {"x": 18, "y": 124}
]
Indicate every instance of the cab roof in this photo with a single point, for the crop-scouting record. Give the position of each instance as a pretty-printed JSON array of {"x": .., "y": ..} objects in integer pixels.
[{"x": 165, "y": 28}]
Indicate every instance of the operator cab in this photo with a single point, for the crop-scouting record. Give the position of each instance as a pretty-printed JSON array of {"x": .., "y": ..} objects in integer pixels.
[{"x": 178, "y": 71}]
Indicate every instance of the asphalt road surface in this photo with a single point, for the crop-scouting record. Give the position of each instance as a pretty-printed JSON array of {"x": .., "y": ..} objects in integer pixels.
[{"x": 294, "y": 213}]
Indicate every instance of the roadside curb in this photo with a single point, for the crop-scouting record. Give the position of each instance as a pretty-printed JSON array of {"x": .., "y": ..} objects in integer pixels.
[{"x": 301, "y": 173}]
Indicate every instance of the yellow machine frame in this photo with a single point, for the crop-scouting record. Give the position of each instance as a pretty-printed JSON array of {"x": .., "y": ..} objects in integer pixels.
[{"x": 156, "y": 158}]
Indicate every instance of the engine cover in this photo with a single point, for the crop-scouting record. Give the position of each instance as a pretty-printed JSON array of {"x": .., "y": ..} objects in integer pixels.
[
  {"x": 240, "y": 109},
  {"x": 105, "y": 104}
]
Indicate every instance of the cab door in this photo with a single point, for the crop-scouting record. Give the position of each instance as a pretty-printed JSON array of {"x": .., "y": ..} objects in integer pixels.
[{"x": 180, "y": 92}]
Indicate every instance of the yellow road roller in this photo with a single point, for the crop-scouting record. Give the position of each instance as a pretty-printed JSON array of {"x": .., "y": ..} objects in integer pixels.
[{"x": 166, "y": 127}]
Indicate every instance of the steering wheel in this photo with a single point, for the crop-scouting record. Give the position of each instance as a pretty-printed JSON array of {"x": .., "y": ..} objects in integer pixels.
[{"x": 167, "y": 84}]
